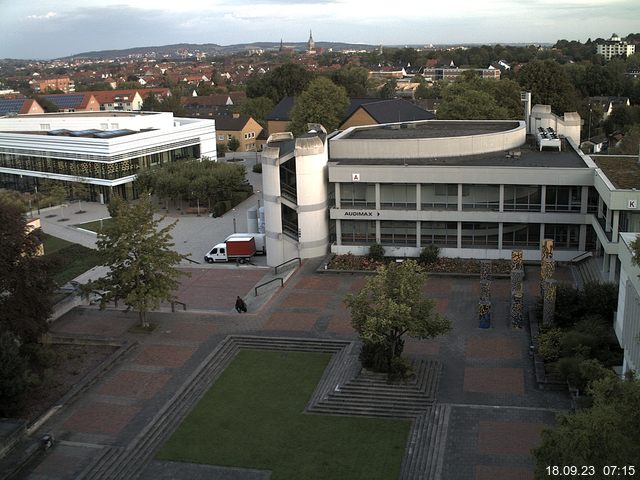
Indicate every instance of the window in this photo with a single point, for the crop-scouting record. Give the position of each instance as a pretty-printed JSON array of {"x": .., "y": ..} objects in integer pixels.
[
  {"x": 563, "y": 199},
  {"x": 442, "y": 234},
  {"x": 221, "y": 138},
  {"x": 480, "y": 235},
  {"x": 114, "y": 126},
  {"x": 45, "y": 126},
  {"x": 398, "y": 233},
  {"x": 564, "y": 236},
  {"x": 357, "y": 195},
  {"x": 522, "y": 198},
  {"x": 358, "y": 232},
  {"x": 437, "y": 196},
  {"x": 481, "y": 197},
  {"x": 229, "y": 136},
  {"x": 398, "y": 196},
  {"x": 521, "y": 235}
]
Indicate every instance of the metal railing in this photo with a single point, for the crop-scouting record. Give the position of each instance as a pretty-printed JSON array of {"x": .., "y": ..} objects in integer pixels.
[
  {"x": 286, "y": 263},
  {"x": 192, "y": 261},
  {"x": 173, "y": 305},
  {"x": 267, "y": 283}
]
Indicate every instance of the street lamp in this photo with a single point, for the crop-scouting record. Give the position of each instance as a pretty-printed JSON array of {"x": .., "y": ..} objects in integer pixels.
[{"x": 234, "y": 219}]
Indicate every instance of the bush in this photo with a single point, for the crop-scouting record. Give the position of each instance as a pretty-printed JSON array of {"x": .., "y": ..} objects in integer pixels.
[
  {"x": 373, "y": 356},
  {"x": 376, "y": 252},
  {"x": 257, "y": 168},
  {"x": 13, "y": 375},
  {"x": 549, "y": 344},
  {"x": 429, "y": 254}
]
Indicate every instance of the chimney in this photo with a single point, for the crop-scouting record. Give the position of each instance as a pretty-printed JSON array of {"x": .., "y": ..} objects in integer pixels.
[{"x": 236, "y": 115}]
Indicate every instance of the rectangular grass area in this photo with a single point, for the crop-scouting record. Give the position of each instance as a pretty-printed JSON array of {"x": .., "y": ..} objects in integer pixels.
[
  {"x": 68, "y": 260},
  {"x": 95, "y": 225},
  {"x": 252, "y": 417}
]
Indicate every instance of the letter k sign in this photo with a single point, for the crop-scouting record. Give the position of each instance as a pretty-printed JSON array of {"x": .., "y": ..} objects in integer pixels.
[{"x": 633, "y": 204}]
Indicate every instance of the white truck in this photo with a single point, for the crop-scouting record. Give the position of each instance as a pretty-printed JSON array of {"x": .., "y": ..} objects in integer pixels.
[
  {"x": 258, "y": 237},
  {"x": 239, "y": 249}
]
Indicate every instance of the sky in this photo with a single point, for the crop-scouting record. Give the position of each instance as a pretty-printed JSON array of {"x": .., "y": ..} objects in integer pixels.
[{"x": 44, "y": 29}]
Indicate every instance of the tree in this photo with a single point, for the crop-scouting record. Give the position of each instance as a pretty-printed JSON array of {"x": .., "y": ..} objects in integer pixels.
[
  {"x": 355, "y": 80},
  {"x": 392, "y": 304},
  {"x": 322, "y": 102},
  {"x": 549, "y": 84},
  {"x": 388, "y": 90},
  {"x": 635, "y": 248},
  {"x": 13, "y": 374},
  {"x": 25, "y": 302},
  {"x": 287, "y": 80},
  {"x": 233, "y": 144},
  {"x": 630, "y": 144},
  {"x": 606, "y": 434},
  {"x": 474, "y": 98},
  {"x": 142, "y": 266},
  {"x": 257, "y": 108}
]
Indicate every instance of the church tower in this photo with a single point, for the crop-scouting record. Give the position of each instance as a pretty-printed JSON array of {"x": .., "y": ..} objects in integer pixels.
[{"x": 311, "y": 45}]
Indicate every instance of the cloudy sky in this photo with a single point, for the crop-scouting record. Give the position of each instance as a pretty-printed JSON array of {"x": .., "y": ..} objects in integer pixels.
[{"x": 53, "y": 28}]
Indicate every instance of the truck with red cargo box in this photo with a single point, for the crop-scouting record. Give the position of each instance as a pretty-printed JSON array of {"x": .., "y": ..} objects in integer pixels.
[{"x": 234, "y": 249}]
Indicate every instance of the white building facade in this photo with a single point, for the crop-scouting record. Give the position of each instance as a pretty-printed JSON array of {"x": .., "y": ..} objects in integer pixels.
[{"x": 103, "y": 150}]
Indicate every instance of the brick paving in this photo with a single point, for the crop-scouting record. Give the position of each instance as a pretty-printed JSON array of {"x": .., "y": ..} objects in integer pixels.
[
  {"x": 103, "y": 418},
  {"x": 494, "y": 380},
  {"x": 164, "y": 355},
  {"x": 130, "y": 383},
  {"x": 505, "y": 438},
  {"x": 497, "y": 411},
  {"x": 493, "y": 347}
]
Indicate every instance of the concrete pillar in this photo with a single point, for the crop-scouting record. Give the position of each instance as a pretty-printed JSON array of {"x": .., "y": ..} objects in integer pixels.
[
  {"x": 378, "y": 197},
  {"x": 543, "y": 201},
  {"x": 338, "y": 232},
  {"x": 418, "y": 237},
  {"x": 605, "y": 262},
  {"x": 541, "y": 233},
  {"x": 378, "y": 237},
  {"x": 337, "y": 194},
  {"x": 584, "y": 200},
  {"x": 459, "y": 235},
  {"x": 582, "y": 238},
  {"x": 459, "y": 199},
  {"x": 501, "y": 201},
  {"x": 418, "y": 197},
  {"x": 615, "y": 225},
  {"x": 600, "y": 204},
  {"x": 500, "y": 230},
  {"x": 613, "y": 264},
  {"x": 607, "y": 223}
]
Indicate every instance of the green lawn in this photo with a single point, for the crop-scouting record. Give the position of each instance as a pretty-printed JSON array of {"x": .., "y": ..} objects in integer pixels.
[
  {"x": 253, "y": 417},
  {"x": 95, "y": 225},
  {"x": 68, "y": 260}
]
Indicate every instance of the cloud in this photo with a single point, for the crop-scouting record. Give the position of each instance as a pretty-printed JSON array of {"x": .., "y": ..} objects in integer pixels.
[{"x": 46, "y": 16}]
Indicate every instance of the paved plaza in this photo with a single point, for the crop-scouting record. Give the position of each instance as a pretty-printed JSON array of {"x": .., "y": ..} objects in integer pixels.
[{"x": 497, "y": 411}]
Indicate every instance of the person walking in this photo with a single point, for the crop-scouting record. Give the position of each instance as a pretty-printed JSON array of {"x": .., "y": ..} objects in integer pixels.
[{"x": 240, "y": 305}]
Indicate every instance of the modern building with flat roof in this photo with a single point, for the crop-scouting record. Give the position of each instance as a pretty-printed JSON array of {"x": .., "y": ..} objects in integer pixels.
[
  {"x": 102, "y": 149},
  {"x": 476, "y": 189}
]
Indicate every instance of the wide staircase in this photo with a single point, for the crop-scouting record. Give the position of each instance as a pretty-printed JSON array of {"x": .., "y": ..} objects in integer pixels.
[{"x": 344, "y": 389}]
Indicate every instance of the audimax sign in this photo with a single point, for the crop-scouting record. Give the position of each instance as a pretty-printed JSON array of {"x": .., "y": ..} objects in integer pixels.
[{"x": 361, "y": 213}]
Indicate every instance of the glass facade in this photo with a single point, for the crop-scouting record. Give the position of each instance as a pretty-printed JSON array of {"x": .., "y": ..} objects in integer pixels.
[
  {"x": 288, "y": 184},
  {"x": 439, "y": 196},
  {"x": 94, "y": 169},
  {"x": 521, "y": 235},
  {"x": 565, "y": 237},
  {"x": 479, "y": 235},
  {"x": 563, "y": 199},
  {"x": 481, "y": 197},
  {"x": 398, "y": 233},
  {"x": 358, "y": 232},
  {"x": 398, "y": 196},
  {"x": 361, "y": 195},
  {"x": 442, "y": 234},
  {"x": 522, "y": 198}
]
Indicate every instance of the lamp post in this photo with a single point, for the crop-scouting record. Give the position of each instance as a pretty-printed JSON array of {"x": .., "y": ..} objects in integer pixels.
[{"x": 234, "y": 219}]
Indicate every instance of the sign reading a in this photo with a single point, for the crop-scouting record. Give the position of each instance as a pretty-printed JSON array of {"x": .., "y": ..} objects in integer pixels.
[{"x": 355, "y": 177}]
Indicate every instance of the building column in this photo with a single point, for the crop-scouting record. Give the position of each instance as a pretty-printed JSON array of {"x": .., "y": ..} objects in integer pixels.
[
  {"x": 418, "y": 197},
  {"x": 459, "y": 233},
  {"x": 612, "y": 268},
  {"x": 338, "y": 232},
  {"x": 541, "y": 234},
  {"x": 378, "y": 231},
  {"x": 418, "y": 230},
  {"x": 584, "y": 200},
  {"x": 605, "y": 263},
  {"x": 615, "y": 225},
  {"x": 500, "y": 229},
  {"x": 543, "y": 200},
  {"x": 600, "y": 204},
  {"x": 459, "y": 201},
  {"x": 377, "y": 202},
  {"x": 607, "y": 222},
  {"x": 337, "y": 194},
  {"x": 501, "y": 206},
  {"x": 582, "y": 238}
]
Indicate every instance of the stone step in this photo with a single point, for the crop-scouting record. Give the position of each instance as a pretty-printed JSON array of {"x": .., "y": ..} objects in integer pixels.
[
  {"x": 356, "y": 391},
  {"x": 365, "y": 411},
  {"x": 340, "y": 401},
  {"x": 101, "y": 463}
]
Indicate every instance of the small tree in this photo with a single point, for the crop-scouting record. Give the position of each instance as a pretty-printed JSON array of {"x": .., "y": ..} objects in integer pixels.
[
  {"x": 13, "y": 374},
  {"x": 322, "y": 102},
  {"x": 233, "y": 144},
  {"x": 392, "y": 304},
  {"x": 142, "y": 267},
  {"x": 635, "y": 249}
]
